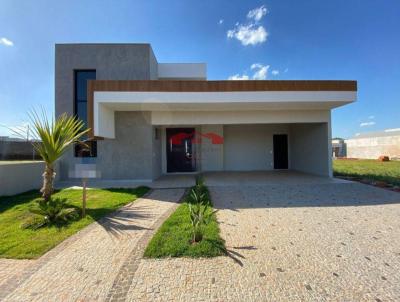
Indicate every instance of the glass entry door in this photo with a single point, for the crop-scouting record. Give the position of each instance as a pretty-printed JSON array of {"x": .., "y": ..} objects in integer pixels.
[{"x": 180, "y": 157}]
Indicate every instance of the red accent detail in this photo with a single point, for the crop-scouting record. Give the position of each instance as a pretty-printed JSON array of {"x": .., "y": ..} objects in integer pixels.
[{"x": 197, "y": 138}]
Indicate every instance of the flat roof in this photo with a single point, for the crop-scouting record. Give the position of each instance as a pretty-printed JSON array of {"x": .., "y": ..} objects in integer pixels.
[{"x": 221, "y": 86}]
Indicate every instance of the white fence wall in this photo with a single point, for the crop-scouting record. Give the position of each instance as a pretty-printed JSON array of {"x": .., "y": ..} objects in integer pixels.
[{"x": 18, "y": 177}]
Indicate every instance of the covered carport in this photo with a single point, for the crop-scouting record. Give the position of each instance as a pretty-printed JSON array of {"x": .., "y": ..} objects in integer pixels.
[
  {"x": 254, "y": 147},
  {"x": 253, "y": 117}
]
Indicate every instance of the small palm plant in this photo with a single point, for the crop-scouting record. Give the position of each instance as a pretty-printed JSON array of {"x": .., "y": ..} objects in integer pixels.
[
  {"x": 199, "y": 209},
  {"x": 56, "y": 137},
  {"x": 54, "y": 211}
]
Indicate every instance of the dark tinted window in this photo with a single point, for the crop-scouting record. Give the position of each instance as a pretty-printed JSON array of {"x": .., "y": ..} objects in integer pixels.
[
  {"x": 81, "y": 78},
  {"x": 80, "y": 108},
  {"x": 86, "y": 149}
]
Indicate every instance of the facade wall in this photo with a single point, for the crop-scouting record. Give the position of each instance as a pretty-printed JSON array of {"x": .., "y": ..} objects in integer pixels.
[
  {"x": 212, "y": 155},
  {"x": 238, "y": 117},
  {"x": 250, "y": 147},
  {"x": 157, "y": 149},
  {"x": 130, "y": 154},
  {"x": 20, "y": 177},
  {"x": 116, "y": 62},
  {"x": 373, "y": 147},
  {"x": 310, "y": 149}
]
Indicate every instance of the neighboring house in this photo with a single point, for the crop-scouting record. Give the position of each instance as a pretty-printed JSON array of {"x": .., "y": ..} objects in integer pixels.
[
  {"x": 338, "y": 147},
  {"x": 149, "y": 118},
  {"x": 371, "y": 145}
]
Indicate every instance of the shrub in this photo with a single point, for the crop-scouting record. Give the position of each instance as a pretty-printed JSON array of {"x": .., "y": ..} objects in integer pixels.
[
  {"x": 200, "y": 215},
  {"x": 53, "y": 211}
]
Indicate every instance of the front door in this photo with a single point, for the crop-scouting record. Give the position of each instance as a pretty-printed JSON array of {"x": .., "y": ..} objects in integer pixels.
[
  {"x": 180, "y": 150},
  {"x": 280, "y": 151}
]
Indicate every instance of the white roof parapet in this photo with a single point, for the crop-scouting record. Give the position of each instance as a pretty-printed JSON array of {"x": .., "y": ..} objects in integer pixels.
[{"x": 182, "y": 71}]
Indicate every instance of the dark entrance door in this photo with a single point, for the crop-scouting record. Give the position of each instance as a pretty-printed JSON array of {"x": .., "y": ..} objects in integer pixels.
[
  {"x": 180, "y": 150},
  {"x": 280, "y": 151}
]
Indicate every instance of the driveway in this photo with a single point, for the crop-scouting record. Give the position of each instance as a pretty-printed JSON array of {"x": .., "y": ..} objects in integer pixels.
[{"x": 310, "y": 242}]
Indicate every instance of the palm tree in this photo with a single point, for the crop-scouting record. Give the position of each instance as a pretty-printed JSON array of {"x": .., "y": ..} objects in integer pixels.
[{"x": 56, "y": 137}]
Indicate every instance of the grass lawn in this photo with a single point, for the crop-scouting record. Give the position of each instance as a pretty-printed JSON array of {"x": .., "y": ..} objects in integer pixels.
[
  {"x": 369, "y": 169},
  {"x": 19, "y": 243},
  {"x": 173, "y": 238}
]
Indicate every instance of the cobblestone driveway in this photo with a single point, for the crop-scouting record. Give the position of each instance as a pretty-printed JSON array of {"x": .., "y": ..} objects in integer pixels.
[
  {"x": 325, "y": 242},
  {"x": 330, "y": 242}
]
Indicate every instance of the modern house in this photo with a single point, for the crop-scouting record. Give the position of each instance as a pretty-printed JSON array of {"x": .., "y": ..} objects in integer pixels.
[{"x": 149, "y": 118}]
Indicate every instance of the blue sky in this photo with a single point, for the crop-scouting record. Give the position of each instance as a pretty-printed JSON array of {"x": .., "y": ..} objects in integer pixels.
[{"x": 313, "y": 39}]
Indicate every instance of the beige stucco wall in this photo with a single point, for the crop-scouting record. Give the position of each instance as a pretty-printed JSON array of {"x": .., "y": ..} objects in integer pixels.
[
  {"x": 310, "y": 148},
  {"x": 212, "y": 155},
  {"x": 238, "y": 117},
  {"x": 250, "y": 147},
  {"x": 18, "y": 177},
  {"x": 373, "y": 147}
]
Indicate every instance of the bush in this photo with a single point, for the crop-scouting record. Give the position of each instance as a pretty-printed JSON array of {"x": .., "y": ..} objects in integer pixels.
[
  {"x": 199, "y": 203},
  {"x": 54, "y": 211}
]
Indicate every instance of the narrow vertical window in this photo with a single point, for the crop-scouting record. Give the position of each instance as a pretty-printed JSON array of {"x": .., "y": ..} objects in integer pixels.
[{"x": 81, "y": 77}]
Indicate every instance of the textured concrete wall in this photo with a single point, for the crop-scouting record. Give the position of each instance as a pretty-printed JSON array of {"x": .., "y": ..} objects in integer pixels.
[
  {"x": 250, "y": 147},
  {"x": 211, "y": 155},
  {"x": 130, "y": 154},
  {"x": 310, "y": 150},
  {"x": 20, "y": 177},
  {"x": 157, "y": 156},
  {"x": 373, "y": 147},
  {"x": 111, "y": 61},
  {"x": 153, "y": 66}
]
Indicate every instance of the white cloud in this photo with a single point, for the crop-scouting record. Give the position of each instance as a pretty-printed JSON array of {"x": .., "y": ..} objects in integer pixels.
[
  {"x": 260, "y": 71},
  {"x": 275, "y": 72},
  {"x": 248, "y": 34},
  {"x": 286, "y": 70},
  {"x": 371, "y": 117},
  {"x": 6, "y": 42},
  {"x": 221, "y": 21},
  {"x": 257, "y": 13},
  {"x": 366, "y": 124},
  {"x": 238, "y": 77},
  {"x": 392, "y": 130}
]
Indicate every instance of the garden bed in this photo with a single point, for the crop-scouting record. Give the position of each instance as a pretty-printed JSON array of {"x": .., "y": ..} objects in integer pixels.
[
  {"x": 19, "y": 243},
  {"x": 173, "y": 239}
]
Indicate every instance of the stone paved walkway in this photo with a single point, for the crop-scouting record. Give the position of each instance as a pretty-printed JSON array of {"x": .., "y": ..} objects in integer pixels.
[
  {"x": 330, "y": 242},
  {"x": 88, "y": 266}
]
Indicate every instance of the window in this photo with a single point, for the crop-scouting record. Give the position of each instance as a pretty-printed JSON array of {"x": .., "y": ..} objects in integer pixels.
[
  {"x": 80, "y": 110},
  {"x": 86, "y": 149}
]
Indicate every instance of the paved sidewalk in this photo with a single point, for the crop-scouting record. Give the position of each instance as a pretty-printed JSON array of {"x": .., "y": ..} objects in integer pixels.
[{"x": 89, "y": 265}]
